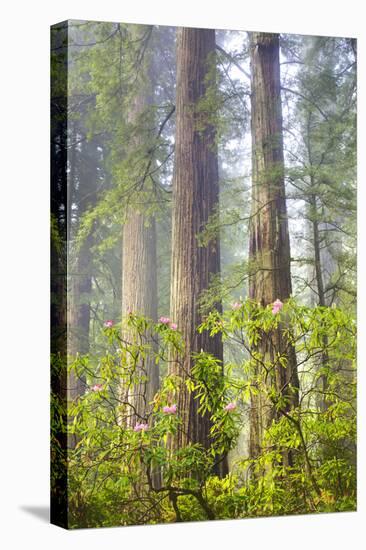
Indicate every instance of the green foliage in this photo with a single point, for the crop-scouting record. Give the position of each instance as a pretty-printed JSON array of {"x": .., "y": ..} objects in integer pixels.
[
  {"x": 122, "y": 467},
  {"x": 119, "y": 474},
  {"x": 321, "y": 162}
]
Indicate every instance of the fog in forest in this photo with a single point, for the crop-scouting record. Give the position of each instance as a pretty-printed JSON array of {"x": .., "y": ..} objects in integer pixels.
[{"x": 203, "y": 232}]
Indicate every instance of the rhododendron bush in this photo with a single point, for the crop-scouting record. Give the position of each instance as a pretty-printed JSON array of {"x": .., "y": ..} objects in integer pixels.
[{"x": 124, "y": 469}]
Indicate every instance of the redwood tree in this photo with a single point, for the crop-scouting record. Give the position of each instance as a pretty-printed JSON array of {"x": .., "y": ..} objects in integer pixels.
[
  {"x": 269, "y": 248},
  {"x": 139, "y": 263},
  {"x": 195, "y": 195},
  {"x": 139, "y": 295}
]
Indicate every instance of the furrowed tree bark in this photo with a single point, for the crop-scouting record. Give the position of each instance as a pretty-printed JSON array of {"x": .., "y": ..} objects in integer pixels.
[
  {"x": 269, "y": 248},
  {"x": 195, "y": 195}
]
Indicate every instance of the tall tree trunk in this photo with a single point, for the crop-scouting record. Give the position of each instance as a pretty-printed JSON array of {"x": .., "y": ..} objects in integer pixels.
[
  {"x": 269, "y": 248},
  {"x": 314, "y": 217},
  {"x": 195, "y": 195},
  {"x": 139, "y": 295},
  {"x": 324, "y": 360},
  {"x": 139, "y": 261},
  {"x": 79, "y": 268}
]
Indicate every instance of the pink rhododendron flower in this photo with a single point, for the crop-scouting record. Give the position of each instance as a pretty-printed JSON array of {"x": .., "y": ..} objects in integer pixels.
[
  {"x": 164, "y": 320},
  {"x": 173, "y": 326},
  {"x": 236, "y": 305},
  {"x": 141, "y": 427},
  {"x": 277, "y": 306},
  {"x": 230, "y": 406},
  {"x": 109, "y": 323},
  {"x": 170, "y": 410},
  {"x": 97, "y": 387}
]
